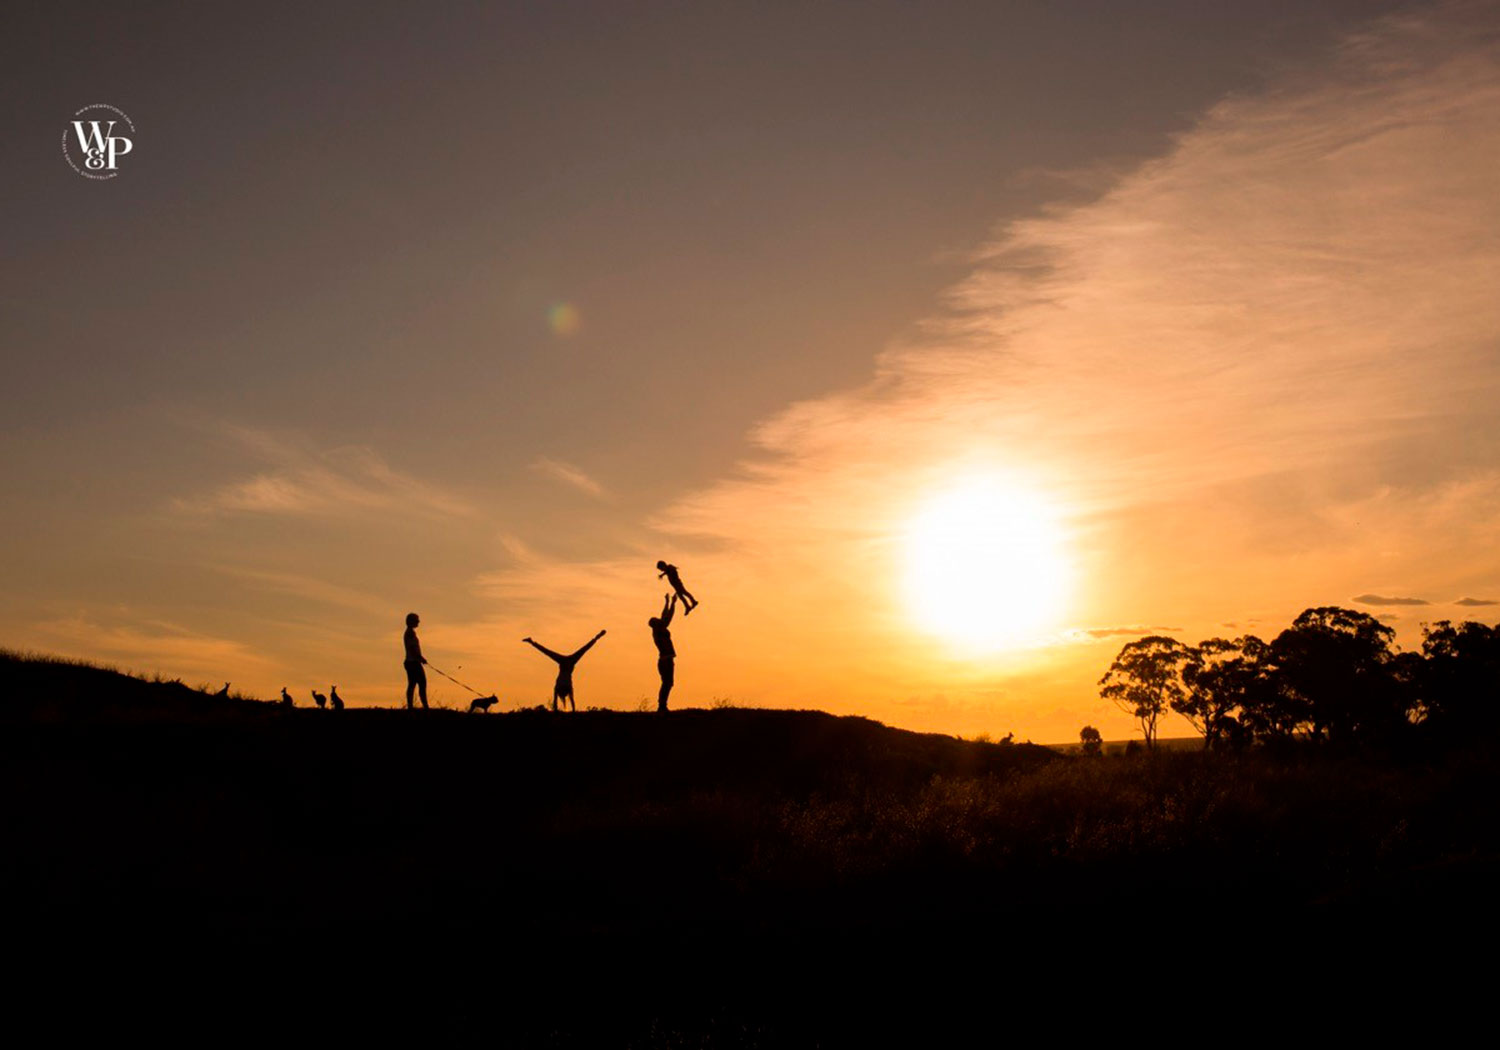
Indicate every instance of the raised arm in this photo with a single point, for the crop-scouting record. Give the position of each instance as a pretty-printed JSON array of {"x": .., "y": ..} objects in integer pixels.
[
  {"x": 668, "y": 607},
  {"x": 559, "y": 657},
  {"x": 586, "y": 646}
]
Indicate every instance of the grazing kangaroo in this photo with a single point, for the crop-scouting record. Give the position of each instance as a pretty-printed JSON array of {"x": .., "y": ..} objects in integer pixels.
[
  {"x": 336, "y": 700},
  {"x": 222, "y": 694},
  {"x": 286, "y": 698},
  {"x": 319, "y": 699},
  {"x": 481, "y": 703}
]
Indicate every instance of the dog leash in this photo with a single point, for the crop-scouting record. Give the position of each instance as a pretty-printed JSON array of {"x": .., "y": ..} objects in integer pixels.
[{"x": 455, "y": 681}]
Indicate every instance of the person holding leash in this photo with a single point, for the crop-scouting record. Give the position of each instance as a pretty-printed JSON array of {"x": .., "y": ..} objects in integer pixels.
[{"x": 416, "y": 675}]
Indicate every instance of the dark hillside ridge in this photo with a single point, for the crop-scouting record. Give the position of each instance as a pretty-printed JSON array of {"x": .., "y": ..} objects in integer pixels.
[
  {"x": 794, "y": 752},
  {"x": 129, "y": 802},
  {"x": 711, "y": 851},
  {"x": 45, "y": 690}
]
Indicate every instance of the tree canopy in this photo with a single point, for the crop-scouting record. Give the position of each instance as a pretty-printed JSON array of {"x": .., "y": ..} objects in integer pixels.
[
  {"x": 1146, "y": 679},
  {"x": 1333, "y": 675}
]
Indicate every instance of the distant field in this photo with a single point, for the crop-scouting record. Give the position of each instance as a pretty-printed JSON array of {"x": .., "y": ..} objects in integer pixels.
[{"x": 1116, "y": 747}]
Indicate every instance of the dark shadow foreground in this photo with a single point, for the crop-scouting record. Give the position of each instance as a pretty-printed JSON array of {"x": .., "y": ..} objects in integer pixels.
[{"x": 725, "y": 878}]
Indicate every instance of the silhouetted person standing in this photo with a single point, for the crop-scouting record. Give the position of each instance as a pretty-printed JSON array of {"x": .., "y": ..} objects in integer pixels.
[
  {"x": 562, "y": 689},
  {"x": 416, "y": 676},
  {"x": 689, "y": 603},
  {"x": 666, "y": 655}
]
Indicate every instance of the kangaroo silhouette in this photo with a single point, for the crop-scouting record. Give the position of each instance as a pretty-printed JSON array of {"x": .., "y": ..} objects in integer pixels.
[
  {"x": 319, "y": 699},
  {"x": 482, "y": 703},
  {"x": 286, "y": 698},
  {"x": 222, "y": 694},
  {"x": 336, "y": 701}
]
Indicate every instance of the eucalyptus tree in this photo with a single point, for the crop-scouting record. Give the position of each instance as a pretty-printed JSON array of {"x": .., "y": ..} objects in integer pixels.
[{"x": 1145, "y": 680}]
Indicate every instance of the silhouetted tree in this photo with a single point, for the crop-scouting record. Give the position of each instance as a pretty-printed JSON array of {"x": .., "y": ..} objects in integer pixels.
[
  {"x": 1220, "y": 676},
  {"x": 1335, "y": 670},
  {"x": 1146, "y": 679},
  {"x": 1408, "y": 674},
  {"x": 1234, "y": 734},
  {"x": 1093, "y": 742},
  {"x": 1268, "y": 711},
  {"x": 1459, "y": 680}
]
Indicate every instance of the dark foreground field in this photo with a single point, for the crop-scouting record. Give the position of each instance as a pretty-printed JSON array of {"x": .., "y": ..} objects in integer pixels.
[{"x": 740, "y": 865}]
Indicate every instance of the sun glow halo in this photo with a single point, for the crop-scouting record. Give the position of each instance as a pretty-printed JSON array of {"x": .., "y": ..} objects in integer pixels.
[{"x": 985, "y": 566}]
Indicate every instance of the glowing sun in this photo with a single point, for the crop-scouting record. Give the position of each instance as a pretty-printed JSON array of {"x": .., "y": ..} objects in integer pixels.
[{"x": 986, "y": 566}]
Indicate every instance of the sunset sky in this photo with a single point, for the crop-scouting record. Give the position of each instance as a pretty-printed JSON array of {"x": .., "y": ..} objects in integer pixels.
[{"x": 1156, "y": 318}]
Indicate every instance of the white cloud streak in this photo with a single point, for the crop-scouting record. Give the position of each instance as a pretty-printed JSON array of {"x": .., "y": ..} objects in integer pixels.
[
  {"x": 152, "y": 646},
  {"x": 568, "y": 475},
  {"x": 351, "y": 479}
]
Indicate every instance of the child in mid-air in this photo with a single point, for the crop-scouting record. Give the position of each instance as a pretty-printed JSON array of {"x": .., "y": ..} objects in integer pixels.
[{"x": 689, "y": 603}]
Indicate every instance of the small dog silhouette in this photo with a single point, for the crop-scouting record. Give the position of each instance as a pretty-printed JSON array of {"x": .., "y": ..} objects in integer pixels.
[
  {"x": 336, "y": 700},
  {"x": 482, "y": 703},
  {"x": 286, "y": 698},
  {"x": 222, "y": 694},
  {"x": 319, "y": 699}
]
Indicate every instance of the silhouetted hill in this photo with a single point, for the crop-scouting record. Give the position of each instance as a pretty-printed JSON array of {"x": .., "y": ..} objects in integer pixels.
[
  {"x": 42, "y": 689},
  {"x": 794, "y": 752},
  {"x": 707, "y": 850}
]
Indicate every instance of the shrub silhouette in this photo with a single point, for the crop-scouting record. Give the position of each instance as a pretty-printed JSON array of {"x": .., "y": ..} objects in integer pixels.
[{"x": 1093, "y": 742}]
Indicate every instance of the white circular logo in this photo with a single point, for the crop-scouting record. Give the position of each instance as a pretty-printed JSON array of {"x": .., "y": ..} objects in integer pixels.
[{"x": 94, "y": 142}]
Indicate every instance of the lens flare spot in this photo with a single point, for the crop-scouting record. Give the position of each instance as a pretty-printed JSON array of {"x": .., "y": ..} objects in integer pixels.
[{"x": 563, "y": 319}]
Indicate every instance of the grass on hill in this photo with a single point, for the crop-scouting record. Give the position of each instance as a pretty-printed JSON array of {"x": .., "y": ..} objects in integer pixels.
[{"x": 728, "y": 837}]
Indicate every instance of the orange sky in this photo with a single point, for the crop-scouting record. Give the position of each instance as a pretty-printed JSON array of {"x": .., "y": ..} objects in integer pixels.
[{"x": 1250, "y": 372}]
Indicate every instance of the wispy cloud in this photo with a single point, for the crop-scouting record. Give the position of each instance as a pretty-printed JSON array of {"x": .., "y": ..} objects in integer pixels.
[
  {"x": 1476, "y": 601},
  {"x": 1249, "y": 371},
  {"x": 152, "y": 645},
  {"x": 302, "y": 481},
  {"x": 1304, "y": 281},
  {"x": 568, "y": 475},
  {"x": 308, "y": 589},
  {"x": 1138, "y": 630},
  {"x": 1377, "y": 599}
]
